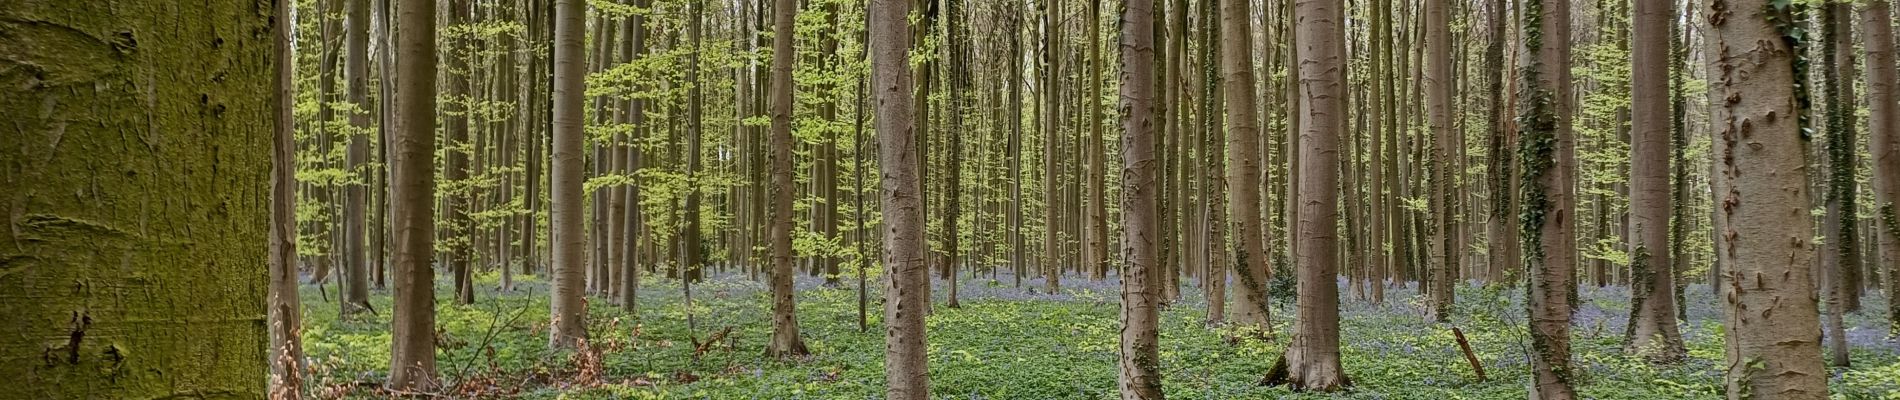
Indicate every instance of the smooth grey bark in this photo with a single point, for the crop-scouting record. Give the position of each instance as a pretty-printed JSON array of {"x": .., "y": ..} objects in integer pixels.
[
  {"x": 356, "y": 72},
  {"x": 1773, "y": 346},
  {"x": 785, "y": 341},
  {"x": 1140, "y": 361},
  {"x": 1312, "y": 361},
  {"x": 1653, "y": 333},
  {"x": 412, "y": 205},
  {"x": 907, "y": 290},
  {"x": 567, "y": 308}
]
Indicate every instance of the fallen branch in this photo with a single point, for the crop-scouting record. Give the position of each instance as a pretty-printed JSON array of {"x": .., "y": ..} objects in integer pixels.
[
  {"x": 1465, "y": 345},
  {"x": 701, "y": 348}
]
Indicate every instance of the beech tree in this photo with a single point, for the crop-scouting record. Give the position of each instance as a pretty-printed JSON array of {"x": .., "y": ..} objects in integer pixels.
[
  {"x": 1763, "y": 229},
  {"x": 1883, "y": 126},
  {"x": 356, "y": 71},
  {"x": 907, "y": 290},
  {"x": 1445, "y": 194},
  {"x": 1312, "y": 360},
  {"x": 567, "y": 308},
  {"x": 284, "y": 314},
  {"x": 785, "y": 341},
  {"x": 92, "y": 227},
  {"x": 1546, "y": 146},
  {"x": 1243, "y": 136},
  {"x": 412, "y": 201},
  {"x": 1653, "y": 332},
  {"x": 1841, "y": 256},
  {"x": 1140, "y": 377}
]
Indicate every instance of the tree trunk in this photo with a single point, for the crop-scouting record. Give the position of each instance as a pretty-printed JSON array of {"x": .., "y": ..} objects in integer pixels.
[
  {"x": 1653, "y": 333},
  {"x": 1312, "y": 360},
  {"x": 907, "y": 292},
  {"x": 1444, "y": 263},
  {"x": 386, "y": 93},
  {"x": 1843, "y": 105},
  {"x": 636, "y": 33},
  {"x": 461, "y": 230},
  {"x": 1051, "y": 128},
  {"x": 284, "y": 315},
  {"x": 508, "y": 126},
  {"x": 1501, "y": 230},
  {"x": 567, "y": 307},
  {"x": 540, "y": 112},
  {"x": 1773, "y": 348},
  {"x": 785, "y": 341},
  {"x": 1883, "y": 128},
  {"x": 953, "y": 184},
  {"x": 1018, "y": 244},
  {"x": 619, "y": 231},
  {"x": 1243, "y": 138},
  {"x": 693, "y": 253},
  {"x": 1140, "y": 377},
  {"x": 1095, "y": 255},
  {"x": 1214, "y": 190},
  {"x": 1549, "y": 215},
  {"x": 1842, "y": 259},
  {"x": 412, "y": 214},
  {"x": 102, "y": 252},
  {"x": 356, "y": 71}
]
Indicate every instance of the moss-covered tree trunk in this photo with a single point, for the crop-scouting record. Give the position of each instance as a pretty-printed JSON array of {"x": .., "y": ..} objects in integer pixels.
[
  {"x": 1546, "y": 146},
  {"x": 137, "y": 159},
  {"x": 1214, "y": 185},
  {"x": 1843, "y": 122},
  {"x": 1762, "y": 224},
  {"x": 1051, "y": 119},
  {"x": 1883, "y": 124},
  {"x": 1501, "y": 229},
  {"x": 1841, "y": 257}
]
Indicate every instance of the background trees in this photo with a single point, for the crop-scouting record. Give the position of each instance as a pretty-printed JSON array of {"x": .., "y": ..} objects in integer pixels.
[{"x": 695, "y": 180}]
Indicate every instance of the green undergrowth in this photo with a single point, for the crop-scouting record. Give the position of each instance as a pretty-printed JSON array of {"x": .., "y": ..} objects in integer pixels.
[{"x": 1000, "y": 347}]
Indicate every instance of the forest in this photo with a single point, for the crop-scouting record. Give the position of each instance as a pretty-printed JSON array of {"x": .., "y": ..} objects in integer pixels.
[{"x": 949, "y": 199}]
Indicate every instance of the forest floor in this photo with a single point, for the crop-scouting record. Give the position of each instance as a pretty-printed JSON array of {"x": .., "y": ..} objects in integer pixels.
[{"x": 1010, "y": 343}]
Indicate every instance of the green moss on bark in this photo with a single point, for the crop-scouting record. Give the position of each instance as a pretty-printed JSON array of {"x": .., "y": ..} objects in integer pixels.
[{"x": 137, "y": 190}]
